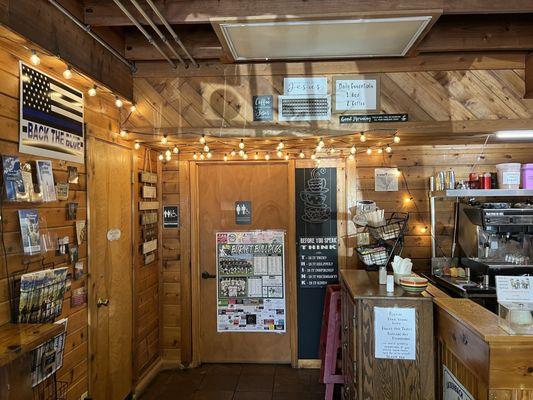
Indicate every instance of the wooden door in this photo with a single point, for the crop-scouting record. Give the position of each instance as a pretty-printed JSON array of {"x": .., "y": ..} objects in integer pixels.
[
  {"x": 110, "y": 326},
  {"x": 219, "y": 186}
]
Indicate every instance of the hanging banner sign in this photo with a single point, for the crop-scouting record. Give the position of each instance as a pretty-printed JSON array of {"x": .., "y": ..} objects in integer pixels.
[
  {"x": 305, "y": 86},
  {"x": 367, "y": 119},
  {"x": 356, "y": 93},
  {"x": 251, "y": 281},
  {"x": 51, "y": 117}
]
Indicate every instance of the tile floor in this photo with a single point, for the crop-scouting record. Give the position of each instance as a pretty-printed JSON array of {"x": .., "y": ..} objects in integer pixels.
[{"x": 236, "y": 382}]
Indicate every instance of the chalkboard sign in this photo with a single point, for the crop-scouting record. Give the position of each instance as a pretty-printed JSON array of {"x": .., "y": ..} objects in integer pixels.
[
  {"x": 263, "y": 108},
  {"x": 317, "y": 251}
]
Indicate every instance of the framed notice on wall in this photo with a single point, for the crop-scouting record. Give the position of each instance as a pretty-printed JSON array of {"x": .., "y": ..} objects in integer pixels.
[
  {"x": 251, "y": 281},
  {"x": 51, "y": 117},
  {"x": 356, "y": 93}
]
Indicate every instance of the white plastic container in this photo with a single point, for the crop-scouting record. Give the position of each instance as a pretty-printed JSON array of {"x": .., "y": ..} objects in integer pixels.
[{"x": 509, "y": 175}]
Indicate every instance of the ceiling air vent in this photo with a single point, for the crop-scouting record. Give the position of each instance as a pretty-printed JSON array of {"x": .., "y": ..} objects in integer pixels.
[{"x": 304, "y": 108}]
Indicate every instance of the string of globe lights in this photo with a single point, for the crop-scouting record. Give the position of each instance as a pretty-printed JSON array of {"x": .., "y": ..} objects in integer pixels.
[
  {"x": 283, "y": 149},
  {"x": 68, "y": 74}
]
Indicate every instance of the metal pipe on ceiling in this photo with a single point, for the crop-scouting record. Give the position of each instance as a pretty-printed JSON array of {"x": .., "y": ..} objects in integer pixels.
[
  {"x": 144, "y": 32},
  {"x": 158, "y": 31},
  {"x": 171, "y": 31},
  {"x": 87, "y": 28}
]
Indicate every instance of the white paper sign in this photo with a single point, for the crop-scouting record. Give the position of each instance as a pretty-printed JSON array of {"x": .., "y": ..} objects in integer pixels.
[
  {"x": 514, "y": 289},
  {"x": 356, "y": 94},
  {"x": 453, "y": 389},
  {"x": 386, "y": 179},
  {"x": 395, "y": 333},
  {"x": 113, "y": 234},
  {"x": 305, "y": 86}
]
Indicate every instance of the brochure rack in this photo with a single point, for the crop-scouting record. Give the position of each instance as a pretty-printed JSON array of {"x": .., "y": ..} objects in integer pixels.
[{"x": 51, "y": 389}]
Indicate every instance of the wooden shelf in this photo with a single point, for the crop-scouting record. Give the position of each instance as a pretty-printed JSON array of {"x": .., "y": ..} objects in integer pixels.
[
  {"x": 481, "y": 193},
  {"x": 19, "y": 339}
]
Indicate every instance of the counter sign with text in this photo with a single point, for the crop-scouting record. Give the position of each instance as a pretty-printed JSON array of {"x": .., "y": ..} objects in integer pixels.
[{"x": 171, "y": 216}]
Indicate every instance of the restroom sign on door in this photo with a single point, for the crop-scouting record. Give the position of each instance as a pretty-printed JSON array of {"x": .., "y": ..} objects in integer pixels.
[{"x": 243, "y": 212}]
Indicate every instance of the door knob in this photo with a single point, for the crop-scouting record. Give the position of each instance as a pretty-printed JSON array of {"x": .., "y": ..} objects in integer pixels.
[
  {"x": 102, "y": 302},
  {"x": 207, "y": 275}
]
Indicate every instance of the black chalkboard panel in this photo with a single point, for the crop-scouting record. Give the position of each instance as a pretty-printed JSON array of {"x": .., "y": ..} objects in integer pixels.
[{"x": 317, "y": 251}]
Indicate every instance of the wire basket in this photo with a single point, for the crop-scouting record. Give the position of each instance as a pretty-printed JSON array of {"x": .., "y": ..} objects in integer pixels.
[
  {"x": 50, "y": 389},
  {"x": 373, "y": 255},
  {"x": 394, "y": 227}
]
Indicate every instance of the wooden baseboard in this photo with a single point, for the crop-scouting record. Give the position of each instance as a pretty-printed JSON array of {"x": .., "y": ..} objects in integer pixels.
[
  {"x": 310, "y": 364},
  {"x": 147, "y": 378},
  {"x": 170, "y": 364}
]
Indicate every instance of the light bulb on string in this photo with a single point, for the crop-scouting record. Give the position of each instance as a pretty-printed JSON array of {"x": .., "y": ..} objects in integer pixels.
[
  {"x": 202, "y": 139},
  {"x": 313, "y": 156},
  {"x": 209, "y": 154},
  {"x": 279, "y": 153},
  {"x": 388, "y": 149},
  {"x": 281, "y": 145},
  {"x": 202, "y": 157},
  {"x": 320, "y": 143},
  {"x": 133, "y": 107},
  {"x": 369, "y": 151},
  {"x": 160, "y": 156},
  {"x": 241, "y": 144},
  {"x": 168, "y": 157},
  {"x": 164, "y": 139},
  {"x": 168, "y": 153},
  {"x": 267, "y": 156},
  {"x": 34, "y": 58},
  {"x": 175, "y": 149},
  {"x": 245, "y": 156},
  {"x": 362, "y": 138},
  {"x": 118, "y": 102},
  {"x": 408, "y": 199},
  {"x": 123, "y": 133},
  {"x": 233, "y": 153},
  {"x": 137, "y": 145},
  {"x": 67, "y": 73},
  {"x": 195, "y": 156},
  {"x": 353, "y": 149},
  {"x": 241, "y": 153},
  {"x": 351, "y": 157},
  {"x": 225, "y": 157},
  {"x": 206, "y": 148},
  {"x": 396, "y": 138},
  {"x": 256, "y": 156},
  {"x": 380, "y": 150},
  {"x": 287, "y": 156},
  {"x": 302, "y": 154},
  {"x": 332, "y": 151},
  {"x": 92, "y": 91},
  {"x": 424, "y": 229}
]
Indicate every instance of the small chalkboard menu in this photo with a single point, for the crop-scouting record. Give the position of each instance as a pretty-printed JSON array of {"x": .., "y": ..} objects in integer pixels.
[
  {"x": 263, "y": 107},
  {"x": 317, "y": 251}
]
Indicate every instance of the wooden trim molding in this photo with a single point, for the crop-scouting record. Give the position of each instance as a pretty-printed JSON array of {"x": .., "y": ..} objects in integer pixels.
[{"x": 529, "y": 77}]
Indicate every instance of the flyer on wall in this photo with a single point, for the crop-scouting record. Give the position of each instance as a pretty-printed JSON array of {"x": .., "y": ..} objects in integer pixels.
[{"x": 251, "y": 281}]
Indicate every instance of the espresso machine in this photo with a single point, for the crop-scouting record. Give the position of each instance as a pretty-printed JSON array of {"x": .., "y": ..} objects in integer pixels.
[{"x": 493, "y": 239}]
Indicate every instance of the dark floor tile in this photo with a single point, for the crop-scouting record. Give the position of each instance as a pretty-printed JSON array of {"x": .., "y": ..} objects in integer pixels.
[
  {"x": 183, "y": 379},
  {"x": 258, "y": 369},
  {"x": 253, "y": 396},
  {"x": 219, "y": 382},
  {"x": 214, "y": 395},
  {"x": 255, "y": 383},
  {"x": 224, "y": 369},
  {"x": 297, "y": 396}
]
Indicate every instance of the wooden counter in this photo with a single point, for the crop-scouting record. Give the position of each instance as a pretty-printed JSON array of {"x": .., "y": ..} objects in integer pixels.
[
  {"x": 367, "y": 376},
  {"x": 485, "y": 359}
]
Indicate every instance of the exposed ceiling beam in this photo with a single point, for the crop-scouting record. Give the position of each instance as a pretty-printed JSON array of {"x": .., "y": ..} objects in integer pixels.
[
  {"x": 449, "y": 34},
  {"x": 105, "y": 13},
  {"x": 479, "y": 33},
  {"x": 423, "y": 62},
  {"x": 200, "y": 41}
]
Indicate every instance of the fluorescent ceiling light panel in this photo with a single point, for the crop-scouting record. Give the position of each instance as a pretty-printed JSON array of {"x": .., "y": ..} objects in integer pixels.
[
  {"x": 323, "y": 39},
  {"x": 517, "y": 134}
]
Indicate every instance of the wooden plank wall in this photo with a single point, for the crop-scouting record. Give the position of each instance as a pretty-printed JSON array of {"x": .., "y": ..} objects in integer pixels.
[
  {"x": 147, "y": 277},
  {"x": 102, "y": 119},
  {"x": 171, "y": 293}
]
